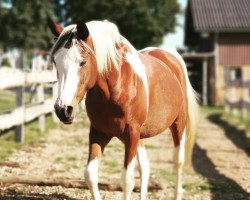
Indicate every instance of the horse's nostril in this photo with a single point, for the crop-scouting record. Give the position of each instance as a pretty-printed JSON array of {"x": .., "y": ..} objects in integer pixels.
[
  {"x": 65, "y": 113},
  {"x": 69, "y": 110}
]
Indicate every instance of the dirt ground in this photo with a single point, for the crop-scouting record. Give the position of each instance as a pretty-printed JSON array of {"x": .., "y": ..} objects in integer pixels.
[{"x": 220, "y": 160}]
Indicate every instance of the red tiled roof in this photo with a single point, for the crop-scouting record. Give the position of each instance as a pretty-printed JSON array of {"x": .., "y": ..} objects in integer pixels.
[{"x": 221, "y": 15}]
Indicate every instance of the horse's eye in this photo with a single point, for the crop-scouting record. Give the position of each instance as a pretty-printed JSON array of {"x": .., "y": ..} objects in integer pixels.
[{"x": 83, "y": 63}]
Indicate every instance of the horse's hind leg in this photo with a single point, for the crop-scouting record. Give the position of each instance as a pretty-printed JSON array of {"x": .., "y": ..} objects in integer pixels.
[
  {"x": 179, "y": 137},
  {"x": 143, "y": 165},
  {"x": 97, "y": 143},
  {"x": 179, "y": 162}
]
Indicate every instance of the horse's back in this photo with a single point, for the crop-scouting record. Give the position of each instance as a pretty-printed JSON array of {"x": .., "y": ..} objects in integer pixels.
[{"x": 167, "y": 90}]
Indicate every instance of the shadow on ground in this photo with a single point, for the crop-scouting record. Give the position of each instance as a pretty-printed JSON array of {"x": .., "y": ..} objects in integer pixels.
[
  {"x": 11, "y": 194},
  {"x": 220, "y": 186},
  {"x": 238, "y": 137}
]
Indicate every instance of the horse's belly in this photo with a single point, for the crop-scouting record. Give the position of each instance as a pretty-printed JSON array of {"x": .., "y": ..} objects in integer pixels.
[
  {"x": 157, "y": 122},
  {"x": 166, "y": 99}
]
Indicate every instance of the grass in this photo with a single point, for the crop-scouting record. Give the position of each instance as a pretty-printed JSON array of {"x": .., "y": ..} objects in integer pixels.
[
  {"x": 34, "y": 136},
  {"x": 8, "y": 145},
  {"x": 111, "y": 167},
  {"x": 205, "y": 186},
  {"x": 32, "y": 132},
  {"x": 8, "y": 99},
  {"x": 212, "y": 109},
  {"x": 68, "y": 162},
  {"x": 237, "y": 121},
  {"x": 149, "y": 146},
  {"x": 167, "y": 175}
]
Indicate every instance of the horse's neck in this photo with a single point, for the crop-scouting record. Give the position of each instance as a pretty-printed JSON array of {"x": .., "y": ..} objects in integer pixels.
[{"x": 113, "y": 84}]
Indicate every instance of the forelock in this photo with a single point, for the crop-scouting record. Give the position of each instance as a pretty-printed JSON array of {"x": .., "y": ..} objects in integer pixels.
[{"x": 67, "y": 36}]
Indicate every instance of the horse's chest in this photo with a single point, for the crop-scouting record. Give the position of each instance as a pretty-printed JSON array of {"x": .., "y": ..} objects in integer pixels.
[{"x": 106, "y": 117}]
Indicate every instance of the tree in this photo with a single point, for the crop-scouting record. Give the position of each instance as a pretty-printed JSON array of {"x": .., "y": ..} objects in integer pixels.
[
  {"x": 143, "y": 22},
  {"x": 25, "y": 24}
]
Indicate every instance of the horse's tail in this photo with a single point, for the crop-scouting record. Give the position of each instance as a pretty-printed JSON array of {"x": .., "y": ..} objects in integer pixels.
[{"x": 193, "y": 110}]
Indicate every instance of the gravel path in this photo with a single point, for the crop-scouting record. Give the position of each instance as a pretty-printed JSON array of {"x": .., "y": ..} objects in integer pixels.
[{"x": 221, "y": 166}]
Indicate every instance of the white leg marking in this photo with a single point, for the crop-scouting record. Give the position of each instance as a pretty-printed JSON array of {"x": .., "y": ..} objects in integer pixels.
[
  {"x": 139, "y": 68},
  {"x": 128, "y": 180},
  {"x": 144, "y": 170},
  {"x": 179, "y": 162},
  {"x": 91, "y": 178}
]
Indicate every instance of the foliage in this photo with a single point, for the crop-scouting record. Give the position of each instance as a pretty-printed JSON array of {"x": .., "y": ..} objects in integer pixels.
[
  {"x": 143, "y": 22},
  {"x": 5, "y": 62},
  {"x": 32, "y": 136},
  {"x": 25, "y": 24}
]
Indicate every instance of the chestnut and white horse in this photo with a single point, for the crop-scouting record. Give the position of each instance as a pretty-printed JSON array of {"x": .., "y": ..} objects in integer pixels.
[{"x": 130, "y": 95}]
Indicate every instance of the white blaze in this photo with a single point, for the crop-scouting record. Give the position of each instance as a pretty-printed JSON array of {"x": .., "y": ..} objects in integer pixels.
[{"x": 67, "y": 64}]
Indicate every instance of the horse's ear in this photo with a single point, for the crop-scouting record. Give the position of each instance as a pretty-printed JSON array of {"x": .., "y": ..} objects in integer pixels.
[
  {"x": 56, "y": 29},
  {"x": 82, "y": 30}
]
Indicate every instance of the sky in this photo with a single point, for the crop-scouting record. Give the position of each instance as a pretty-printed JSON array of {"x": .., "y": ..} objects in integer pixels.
[{"x": 176, "y": 39}]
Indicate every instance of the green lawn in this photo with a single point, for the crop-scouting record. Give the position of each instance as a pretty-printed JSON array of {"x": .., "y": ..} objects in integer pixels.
[
  {"x": 8, "y": 99},
  {"x": 212, "y": 109},
  {"x": 237, "y": 121},
  {"x": 32, "y": 136},
  {"x": 32, "y": 132}
]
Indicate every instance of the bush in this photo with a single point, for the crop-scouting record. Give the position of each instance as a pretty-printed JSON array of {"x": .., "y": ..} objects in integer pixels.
[{"x": 5, "y": 62}]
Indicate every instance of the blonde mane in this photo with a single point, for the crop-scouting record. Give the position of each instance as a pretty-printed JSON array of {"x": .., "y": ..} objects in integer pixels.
[{"x": 105, "y": 36}]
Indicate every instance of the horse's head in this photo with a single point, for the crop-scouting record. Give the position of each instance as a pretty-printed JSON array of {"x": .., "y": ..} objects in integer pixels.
[{"x": 73, "y": 57}]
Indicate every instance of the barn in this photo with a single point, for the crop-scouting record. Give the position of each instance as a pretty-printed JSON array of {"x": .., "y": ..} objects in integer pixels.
[{"x": 217, "y": 36}]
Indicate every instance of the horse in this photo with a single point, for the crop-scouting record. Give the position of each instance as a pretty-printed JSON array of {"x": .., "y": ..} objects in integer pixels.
[{"x": 129, "y": 94}]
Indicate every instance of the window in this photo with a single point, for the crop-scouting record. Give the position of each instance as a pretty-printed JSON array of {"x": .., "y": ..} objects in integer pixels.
[
  {"x": 233, "y": 73},
  {"x": 238, "y": 74}
]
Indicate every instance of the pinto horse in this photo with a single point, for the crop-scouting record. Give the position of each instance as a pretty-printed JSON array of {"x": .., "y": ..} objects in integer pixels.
[{"x": 130, "y": 95}]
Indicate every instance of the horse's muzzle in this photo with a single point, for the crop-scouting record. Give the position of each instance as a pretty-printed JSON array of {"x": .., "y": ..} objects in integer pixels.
[{"x": 65, "y": 113}]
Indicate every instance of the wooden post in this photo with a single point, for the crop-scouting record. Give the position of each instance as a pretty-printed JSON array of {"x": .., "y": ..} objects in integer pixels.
[
  {"x": 40, "y": 96},
  {"x": 233, "y": 97},
  {"x": 55, "y": 93},
  {"x": 19, "y": 133},
  {"x": 245, "y": 95},
  {"x": 245, "y": 99},
  {"x": 216, "y": 66},
  {"x": 227, "y": 89},
  {"x": 204, "y": 82}
]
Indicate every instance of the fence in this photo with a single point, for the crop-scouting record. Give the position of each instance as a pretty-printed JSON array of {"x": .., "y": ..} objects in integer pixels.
[
  {"x": 13, "y": 78},
  {"x": 237, "y": 92}
]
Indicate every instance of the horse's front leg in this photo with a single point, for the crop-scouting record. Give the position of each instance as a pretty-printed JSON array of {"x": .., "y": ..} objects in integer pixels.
[
  {"x": 97, "y": 143},
  {"x": 131, "y": 140},
  {"x": 144, "y": 169}
]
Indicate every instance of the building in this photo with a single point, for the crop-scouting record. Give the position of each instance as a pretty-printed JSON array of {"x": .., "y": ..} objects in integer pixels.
[{"x": 217, "y": 35}]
